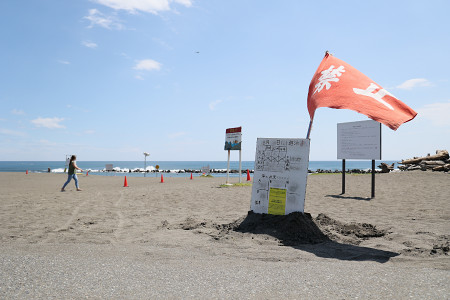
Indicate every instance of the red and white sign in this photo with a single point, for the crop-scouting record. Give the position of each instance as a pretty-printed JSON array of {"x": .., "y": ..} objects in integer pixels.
[
  {"x": 338, "y": 85},
  {"x": 233, "y": 138}
]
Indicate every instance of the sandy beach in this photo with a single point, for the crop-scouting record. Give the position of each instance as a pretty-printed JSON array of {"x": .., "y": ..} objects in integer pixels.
[{"x": 195, "y": 239}]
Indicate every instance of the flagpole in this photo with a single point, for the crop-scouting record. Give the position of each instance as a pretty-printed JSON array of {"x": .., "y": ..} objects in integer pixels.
[{"x": 309, "y": 129}]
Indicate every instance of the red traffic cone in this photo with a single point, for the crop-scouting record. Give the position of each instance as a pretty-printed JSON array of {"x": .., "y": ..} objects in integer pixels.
[
  {"x": 125, "y": 183},
  {"x": 162, "y": 178},
  {"x": 191, "y": 176},
  {"x": 248, "y": 175},
  {"x": 26, "y": 172}
]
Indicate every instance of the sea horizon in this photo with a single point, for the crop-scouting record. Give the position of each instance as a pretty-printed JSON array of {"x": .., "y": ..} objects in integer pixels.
[{"x": 172, "y": 167}]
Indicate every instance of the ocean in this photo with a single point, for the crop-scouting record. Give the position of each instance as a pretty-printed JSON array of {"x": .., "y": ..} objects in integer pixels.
[{"x": 123, "y": 167}]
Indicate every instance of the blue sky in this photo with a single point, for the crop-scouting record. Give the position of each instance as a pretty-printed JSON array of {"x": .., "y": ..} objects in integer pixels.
[{"x": 110, "y": 79}]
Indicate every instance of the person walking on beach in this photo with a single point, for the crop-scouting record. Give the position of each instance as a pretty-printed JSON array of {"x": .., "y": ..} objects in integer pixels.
[{"x": 72, "y": 173}]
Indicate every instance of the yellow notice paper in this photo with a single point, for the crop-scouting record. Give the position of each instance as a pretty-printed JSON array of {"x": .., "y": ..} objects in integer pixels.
[{"x": 277, "y": 201}]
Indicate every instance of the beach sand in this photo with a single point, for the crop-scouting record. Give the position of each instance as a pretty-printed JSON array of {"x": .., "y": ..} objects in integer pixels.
[{"x": 195, "y": 239}]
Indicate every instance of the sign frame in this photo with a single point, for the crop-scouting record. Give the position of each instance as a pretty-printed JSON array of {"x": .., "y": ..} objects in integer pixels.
[
  {"x": 280, "y": 176},
  {"x": 233, "y": 138},
  {"x": 359, "y": 140},
  {"x": 233, "y": 141}
]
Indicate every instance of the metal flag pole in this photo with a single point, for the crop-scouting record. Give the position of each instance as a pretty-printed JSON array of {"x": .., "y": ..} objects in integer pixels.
[
  {"x": 307, "y": 137},
  {"x": 309, "y": 129}
]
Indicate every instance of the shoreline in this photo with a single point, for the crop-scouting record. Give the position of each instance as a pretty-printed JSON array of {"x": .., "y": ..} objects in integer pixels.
[{"x": 221, "y": 171}]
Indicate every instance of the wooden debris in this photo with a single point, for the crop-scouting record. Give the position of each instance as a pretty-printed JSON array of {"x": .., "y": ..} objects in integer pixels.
[
  {"x": 385, "y": 168},
  {"x": 440, "y": 155},
  {"x": 438, "y": 162},
  {"x": 445, "y": 167}
]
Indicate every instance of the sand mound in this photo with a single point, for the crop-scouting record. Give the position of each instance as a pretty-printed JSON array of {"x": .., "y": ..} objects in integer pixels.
[
  {"x": 289, "y": 230},
  {"x": 292, "y": 229},
  {"x": 353, "y": 233}
]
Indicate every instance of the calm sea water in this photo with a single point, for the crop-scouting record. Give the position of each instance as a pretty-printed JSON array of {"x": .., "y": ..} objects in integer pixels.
[{"x": 95, "y": 167}]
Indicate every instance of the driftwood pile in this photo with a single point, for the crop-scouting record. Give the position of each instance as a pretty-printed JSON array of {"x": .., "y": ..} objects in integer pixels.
[
  {"x": 385, "y": 168},
  {"x": 438, "y": 162}
]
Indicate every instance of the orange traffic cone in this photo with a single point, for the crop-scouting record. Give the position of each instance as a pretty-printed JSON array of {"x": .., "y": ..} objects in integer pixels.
[
  {"x": 162, "y": 178},
  {"x": 125, "y": 183},
  {"x": 26, "y": 172},
  {"x": 248, "y": 175},
  {"x": 191, "y": 176}
]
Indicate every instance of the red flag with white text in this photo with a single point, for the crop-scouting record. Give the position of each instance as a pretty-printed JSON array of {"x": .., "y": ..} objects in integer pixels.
[{"x": 338, "y": 85}]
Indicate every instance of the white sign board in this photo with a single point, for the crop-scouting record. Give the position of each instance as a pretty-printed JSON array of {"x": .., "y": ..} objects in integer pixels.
[
  {"x": 279, "y": 182},
  {"x": 108, "y": 167},
  {"x": 233, "y": 138},
  {"x": 359, "y": 140}
]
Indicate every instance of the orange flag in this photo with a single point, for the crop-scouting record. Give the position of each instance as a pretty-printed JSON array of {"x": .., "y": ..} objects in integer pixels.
[{"x": 338, "y": 85}]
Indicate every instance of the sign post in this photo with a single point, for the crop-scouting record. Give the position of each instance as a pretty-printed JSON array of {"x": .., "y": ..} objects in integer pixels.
[
  {"x": 145, "y": 162},
  {"x": 228, "y": 167},
  {"x": 240, "y": 166},
  {"x": 359, "y": 140},
  {"x": 233, "y": 141},
  {"x": 343, "y": 176},
  {"x": 373, "y": 179}
]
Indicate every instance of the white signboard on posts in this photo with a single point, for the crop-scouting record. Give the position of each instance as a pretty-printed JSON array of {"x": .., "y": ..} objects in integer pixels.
[
  {"x": 279, "y": 181},
  {"x": 206, "y": 169},
  {"x": 359, "y": 140},
  {"x": 233, "y": 138}
]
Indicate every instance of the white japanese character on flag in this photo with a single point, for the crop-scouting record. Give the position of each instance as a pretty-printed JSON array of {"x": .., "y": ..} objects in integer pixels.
[{"x": 328, "y": 75}]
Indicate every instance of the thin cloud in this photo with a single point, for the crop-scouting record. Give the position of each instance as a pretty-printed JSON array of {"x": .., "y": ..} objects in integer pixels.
[
  {"x": 412, "y": 83},
  {"x": 148, "y": 6},
  {"x": 18, "y": 112},
  {"x": 11, "y": 132},
  {"x": 96, "y": 18},
  {"x": 213, "y": 105},
  {"x": 89, "y": 44},
  {"x": 437, "y": 113},
  {"x": 51, "y": 123},
  {"x": 64, "y": 62},
  {"x": 187, "y": 3},
  {"x": 147, "y": 65}
]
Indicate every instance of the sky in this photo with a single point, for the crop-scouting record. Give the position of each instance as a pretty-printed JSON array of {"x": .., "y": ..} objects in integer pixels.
[{"x": 110, "y": 79}]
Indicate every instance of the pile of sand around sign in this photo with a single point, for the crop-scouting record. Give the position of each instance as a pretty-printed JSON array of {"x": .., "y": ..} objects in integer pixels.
[
  {"x": 290, "y": 230},
  {"x": 353, "y": 233}
]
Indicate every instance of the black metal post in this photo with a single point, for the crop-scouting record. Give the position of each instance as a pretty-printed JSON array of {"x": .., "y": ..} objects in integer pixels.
[
  {"x": 343, "y": 176},
  {"x": 373, "y": 178}
]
